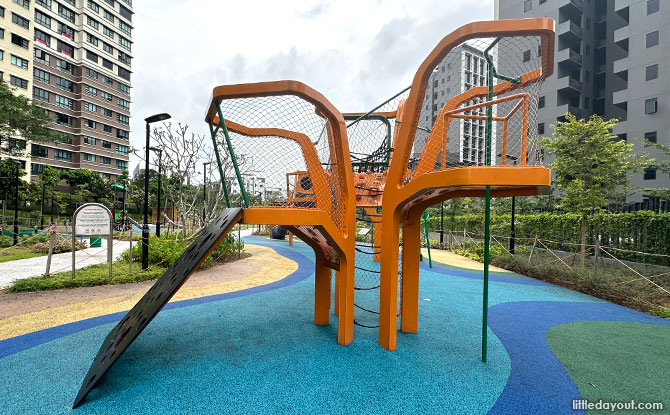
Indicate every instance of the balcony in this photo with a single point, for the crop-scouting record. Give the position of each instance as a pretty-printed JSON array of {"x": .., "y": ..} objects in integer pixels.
[
  {"x": 621, "y": 4},
  {"x": 620, "y": 65},
  {"x": 569, "y": 58},
  {"x": 569, "y": 85},
  {"x": 621, "y": 34},
  {"x": 565, "y": 108},
  {"x": 620, "y": 97},
  {"x": 570, "y": 31},
  {"x": 572, "y": 8}
]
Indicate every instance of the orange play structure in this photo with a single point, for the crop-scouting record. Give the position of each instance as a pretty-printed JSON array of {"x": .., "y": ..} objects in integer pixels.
[{"x": 386, "y": 166}]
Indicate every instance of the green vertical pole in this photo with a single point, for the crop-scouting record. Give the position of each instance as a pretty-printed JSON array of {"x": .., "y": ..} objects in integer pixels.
[
  {"x": 218, "y": 162},
  {"x": 222, "y": 124},
  {"x": 425, "y": 226},
  {"x": 487, "y": 203}
]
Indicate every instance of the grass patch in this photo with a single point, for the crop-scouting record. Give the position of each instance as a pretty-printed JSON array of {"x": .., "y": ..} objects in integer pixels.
[
  {"x": 88, "y": 277},
  {"x": 12, "y": 254},
  {"x": 611, "y": 283}
]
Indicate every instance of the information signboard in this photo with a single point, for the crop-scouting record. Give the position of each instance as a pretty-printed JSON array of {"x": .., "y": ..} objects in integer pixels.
[{"x": 93, "y": 219}]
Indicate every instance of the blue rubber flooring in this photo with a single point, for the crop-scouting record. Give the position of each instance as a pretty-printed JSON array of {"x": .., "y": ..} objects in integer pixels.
[{"x": 257, "y": 351}]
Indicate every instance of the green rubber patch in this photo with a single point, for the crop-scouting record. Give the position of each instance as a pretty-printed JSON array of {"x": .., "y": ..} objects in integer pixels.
[{"x": 616, "y": 361}]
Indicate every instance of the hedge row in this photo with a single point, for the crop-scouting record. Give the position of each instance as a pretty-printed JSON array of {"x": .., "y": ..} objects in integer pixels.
[{"x": 643, "y": 231}]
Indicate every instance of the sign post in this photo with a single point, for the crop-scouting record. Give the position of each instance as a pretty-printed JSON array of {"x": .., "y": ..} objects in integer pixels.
[{"x": 92, "y": 219}]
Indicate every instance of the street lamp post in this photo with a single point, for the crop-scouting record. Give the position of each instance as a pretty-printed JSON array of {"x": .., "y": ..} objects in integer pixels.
[
  {"x": 160, "y": 168},
  {"x": 145, "y": 227},
  {"x": 16, "y": 204},
  {"x": 204, "y": 191}
]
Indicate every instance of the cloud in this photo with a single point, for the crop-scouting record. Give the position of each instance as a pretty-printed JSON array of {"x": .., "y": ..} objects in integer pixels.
[{"x": 357, "y": 53}]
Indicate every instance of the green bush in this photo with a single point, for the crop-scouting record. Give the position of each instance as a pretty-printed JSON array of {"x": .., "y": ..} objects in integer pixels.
[{"x": 59, "y": 247}]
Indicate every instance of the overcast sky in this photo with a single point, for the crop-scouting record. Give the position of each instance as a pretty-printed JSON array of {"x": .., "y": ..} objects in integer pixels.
[{"x": 357, "y": 53}]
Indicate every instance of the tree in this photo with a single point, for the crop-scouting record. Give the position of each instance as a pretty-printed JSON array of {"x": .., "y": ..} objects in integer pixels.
[
  {"x": 590, "y": 166},
  {"x": 20, "y": 119},
  {"x": 663, "y": 166}
]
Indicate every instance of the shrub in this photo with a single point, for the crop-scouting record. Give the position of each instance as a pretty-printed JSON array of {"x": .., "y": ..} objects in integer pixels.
[{"x": 59, "y": 247}]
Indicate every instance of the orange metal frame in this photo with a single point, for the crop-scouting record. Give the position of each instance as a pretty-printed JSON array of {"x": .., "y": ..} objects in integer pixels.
[
  {"x": 404, "y": 202},
  {"x": 307, "y": 223}
]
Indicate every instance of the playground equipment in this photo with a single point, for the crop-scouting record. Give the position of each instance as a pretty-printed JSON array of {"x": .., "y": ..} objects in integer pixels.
[{"x": 431, "y": 142}]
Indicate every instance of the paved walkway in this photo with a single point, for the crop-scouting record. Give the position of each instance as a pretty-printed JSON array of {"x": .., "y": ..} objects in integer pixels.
[{"x": 31, "y": 267}]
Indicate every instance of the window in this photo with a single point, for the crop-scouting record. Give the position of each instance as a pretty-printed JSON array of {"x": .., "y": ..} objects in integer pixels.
[
  {"x": 107, "y": 64},
  {"x": 93, "y": 6},
  {"x": 588, "y": 23},
  {"x": 587, "y": 50},
  {"x": 108, "y": 16},
  {"x": 650, "y": 136},
  {"x": 19, "y": 41},
  {"x": 36, "y": 169},
  {"x": 105, "y": 160},
  {"x": 65, "y": 84},
  {"x": 125, "y": 43},
  {"x": 66, "y": 30},
  {"x": 90, "y": 107},
  {"x": 106, "y": 144},
  {"x": 123, "y": 104},
  {"x": 2, "y": 54},
  {"x": 89, "y": 157},
  {"x": 23, "y": 3},
  {"x": 63, "y": 102},
  {"x": 91, "y": 56},
  {"x": 106, "y": 128},
  {"x": 587, "y": 102},
  {"x": 89, "y": 140},
  {"x": 93, "y": 23},
  {"x": 107, "y": 48},
  {"x": 91, "y": 90},
  {"x": 63, "y": 119},
  {"x": 37, "y": 150},
  {"x": 16, "y": 144},
  {"x": 44, "y": 3},
  {"x": 106, "y": 112},
  {"x": 20, "y": 62},
  {"x": 121, "y": 149},
  {"x": 42, "y": 76},
  {"x": 125, "y": 58},
  {"x": 125, "y": 28},
  {"x": 106, "y": 95},
  {"x": 651, "y": 72},
  {"x": 527, "y": 5},
  {"x": 40, "y": 94},
  {"x": 65, "y": 66},
  {"x": 540, "y": 128},
  {"x": 18, "y": 82},
  {"x": 652, "y": 39},
  {"x": 110, "y": 2},
  {"x": 652, "y": 6},
  {"x": 126, "y": 13},
  {"x": 64, "y": 48},
  {"x": 649, "y": 173},
  {"x": 587, "y": 77},
  {"x": 62, "y": 155},
  {"x": 90, "y": 123},
  {"x": 651, "y": 106},
  {"x": 41, "y": 56},
  {"x": 63, "y": 138},
  {"x": 66, "y": 13},
  {"x": 122, "y": 134},
  {"x": 2, "y": 33},
  {"x": 124, "y": 73},
  {"x": 2, "y": 11},
  {"x": 42, "y": 19},
  {"x": 107, "y": 80},
  {"x": 123, "y": 119},
  {"x": 91, "y": 73},
  {"x": 92, "y": 39},
  {"x": 122, "y": 164},
  {"x": 21, "y": 21},
  {"x": 108, "y": 32},
  {"x": 124, "y": 89},
  {"x": 42, "y": 37}
]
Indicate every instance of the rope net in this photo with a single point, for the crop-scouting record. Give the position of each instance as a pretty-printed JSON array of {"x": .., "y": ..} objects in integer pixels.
[
  {"x": 454, "y": 109},
  {"x": 294, "y": 167}
]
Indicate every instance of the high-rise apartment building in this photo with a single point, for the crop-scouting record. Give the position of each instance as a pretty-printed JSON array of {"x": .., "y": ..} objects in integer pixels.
[
  {"x": 77, "y": 66},
  {"x": 612, "y": 59}
]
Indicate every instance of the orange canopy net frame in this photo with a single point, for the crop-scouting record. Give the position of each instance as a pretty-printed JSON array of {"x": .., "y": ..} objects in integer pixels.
[{"x": 466, "y": 127}]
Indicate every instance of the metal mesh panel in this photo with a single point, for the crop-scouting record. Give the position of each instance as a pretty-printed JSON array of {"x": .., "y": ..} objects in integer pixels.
[
  {"x": 451, "y": 113},
  {"x": 294, "y": 170}
]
